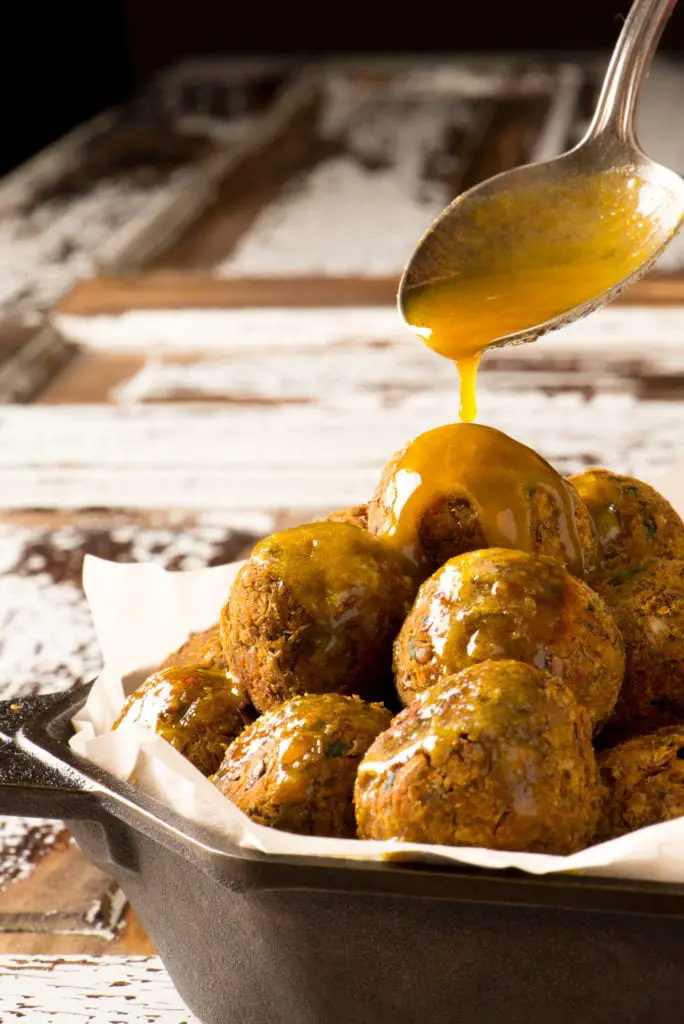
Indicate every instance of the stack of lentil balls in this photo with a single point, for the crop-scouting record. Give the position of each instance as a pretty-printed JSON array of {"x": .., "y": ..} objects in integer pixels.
[{"x": 447, "y": 691}]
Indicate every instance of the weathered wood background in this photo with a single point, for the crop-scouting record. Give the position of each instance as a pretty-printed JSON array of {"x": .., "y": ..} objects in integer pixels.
[
  {"x": 198, "y": 343},
  {"x": 120, "y": 990}
]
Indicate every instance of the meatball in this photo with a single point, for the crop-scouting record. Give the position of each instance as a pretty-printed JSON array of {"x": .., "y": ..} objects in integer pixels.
[
  {"x": 294, "y": 769},
  {"x": 632, "y": 521},
  {"x": 499, "y": 604},
  {"x": 315, "y": 610},
  {"x": 201, "y": 649},
  {"x": 197, "y": 710},
  {"x": 648, "y": 604},
  {"x": 498, "y": 756},
  {"x": 464, "y": 487},
  {"x": 644, "y": 782},
  {"x": 357, "y": 515}
]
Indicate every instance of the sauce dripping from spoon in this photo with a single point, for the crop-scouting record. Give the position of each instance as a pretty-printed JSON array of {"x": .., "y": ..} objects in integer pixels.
[{"x": 521, "y": 258}]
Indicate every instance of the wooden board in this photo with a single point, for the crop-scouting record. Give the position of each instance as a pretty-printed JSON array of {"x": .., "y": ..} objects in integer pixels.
[
  {"x": 268, "y": 381},
  {"x": 129, "y": 938},
  {"x": 31, "y": 361},
  {"x": 130, "y": 186},
  {"x": 13, "y": 335},
  {"x": 375, "y": 157},
  {"x": 94, "y": 906},
  {"x": 77, "y": 205},
  {"x": 47, "y": 643},
  {"x": 89, "y": 990},
  {"x": 108, "y": 295},
  {"x": 201, "y": 164}
]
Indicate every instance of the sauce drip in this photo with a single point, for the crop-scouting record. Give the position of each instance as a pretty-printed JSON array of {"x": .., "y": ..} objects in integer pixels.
[
  {"x": 528, "y": 256},
  {"x": 497, "y": 474},
  {"x": 467, "y": 370}
]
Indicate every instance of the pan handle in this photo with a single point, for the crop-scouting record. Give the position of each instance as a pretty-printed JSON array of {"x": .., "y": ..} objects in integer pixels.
[
  {"x": 16, "y": 713},
  {"x": 31, "y": 788}
]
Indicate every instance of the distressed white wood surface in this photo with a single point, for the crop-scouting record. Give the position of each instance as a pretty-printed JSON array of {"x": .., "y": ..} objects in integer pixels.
[
  {"x": 392, "y": 155},
  {"x": 624, "y": 331},
  {"x": 305, "y": 407},
  {"x": 22, "y": 840},
  {"x": 379, "y": 150},
  {"x": 382, "y": 183},
  {"x": 395, "y": 151},
  {"x": 89, "y": 990},
  {"x": 47, "y": 641},
  {"x": 562, "y": 116},
  {"x": 46, "y": 634},
  {"x": 49, "y": 242},
  {"x": 359, "y": 210},
  {"x": 297, "y": 458}
]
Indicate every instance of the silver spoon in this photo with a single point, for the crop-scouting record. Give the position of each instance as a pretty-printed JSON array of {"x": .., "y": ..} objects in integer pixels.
[{"x": 588, "y": 223}]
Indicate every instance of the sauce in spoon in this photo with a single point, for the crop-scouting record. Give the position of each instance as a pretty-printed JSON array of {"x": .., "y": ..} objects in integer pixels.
[{"x": 527, "y": 256}]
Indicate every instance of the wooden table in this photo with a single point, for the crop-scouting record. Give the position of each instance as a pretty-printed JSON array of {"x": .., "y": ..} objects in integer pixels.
[{"x": 198, "y": 344}]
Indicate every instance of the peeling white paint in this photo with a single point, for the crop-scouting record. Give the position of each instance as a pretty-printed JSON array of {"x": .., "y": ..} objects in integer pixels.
[
  {"x": 89, "y": 990},
  {"x": 213, "y": 330},
  {"x": 298, "y": 457},
  {"x": 22, "y": 840},
  {"x": 361, "y": 211},
  {"x": 625, "y": 329},
  {"x": 47, "y": 641}
]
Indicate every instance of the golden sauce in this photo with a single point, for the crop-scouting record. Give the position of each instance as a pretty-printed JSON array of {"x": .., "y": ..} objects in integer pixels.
[
  {"x": 295, "y": 768},
  {"x": 304, "y": 731},
  {"x": 528, "y": 256},
  {"x": 497, "y": 474},
  {"x": 334, "y": 570},
  {"x": 467, "y": 370},
  {"x": 632, "y": 522},
  {"x": 196, "y": 710}
]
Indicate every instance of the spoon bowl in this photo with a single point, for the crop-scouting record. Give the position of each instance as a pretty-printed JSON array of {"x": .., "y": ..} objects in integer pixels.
[
  {"x": 568, "y": 234},
  {"x": 537, "y": 247}
]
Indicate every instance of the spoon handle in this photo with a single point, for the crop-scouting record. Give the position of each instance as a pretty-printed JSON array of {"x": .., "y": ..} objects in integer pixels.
[{"x": 629, "y": 66}]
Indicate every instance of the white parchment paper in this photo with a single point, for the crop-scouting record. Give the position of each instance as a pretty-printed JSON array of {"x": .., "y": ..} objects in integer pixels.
[{"x": 141, "y": 613}]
